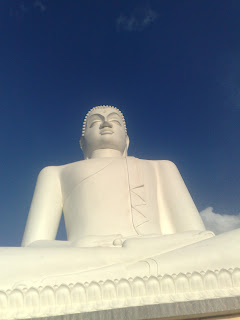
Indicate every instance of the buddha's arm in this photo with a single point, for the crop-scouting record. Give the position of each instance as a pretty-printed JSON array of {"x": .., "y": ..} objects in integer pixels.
[
  {"x": 181, "y": 213},
  {"x": 46, "y": 208}
]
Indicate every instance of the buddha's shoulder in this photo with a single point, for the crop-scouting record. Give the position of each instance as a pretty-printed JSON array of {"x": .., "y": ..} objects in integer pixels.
[
  {"x": 51, "y": 170},
  {"x": 75, "y": 166},
  {"x": 160, "y": 163},
  {"x": 84, "y": 164}
]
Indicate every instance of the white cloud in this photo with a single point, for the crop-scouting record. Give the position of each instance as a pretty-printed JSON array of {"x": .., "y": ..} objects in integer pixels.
[
  {"x": 219, "y": 223},
  {"x": 137, "y": 21}
]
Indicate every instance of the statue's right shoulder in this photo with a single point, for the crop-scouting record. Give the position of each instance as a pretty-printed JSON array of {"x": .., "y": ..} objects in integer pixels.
[
  {"x": 71, "y": 166},
  {"x": 58, "y": 169},
  {"x": 50, "y": 171},
  {"x": 61, "y": 173},
  {"x": 69, "y": 170}
]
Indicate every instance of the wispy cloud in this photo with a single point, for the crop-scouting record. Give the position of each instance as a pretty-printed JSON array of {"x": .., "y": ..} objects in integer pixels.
[
  {"x": 219, "y": 223},
  {"x": 22, "y": 8},
  {"x": 40, "y": 5},
  {"x": 137, "y": 21}
]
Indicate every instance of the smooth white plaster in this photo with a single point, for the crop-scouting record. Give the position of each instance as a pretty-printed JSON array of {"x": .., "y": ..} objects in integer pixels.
[{"x": 126, "y": 218}]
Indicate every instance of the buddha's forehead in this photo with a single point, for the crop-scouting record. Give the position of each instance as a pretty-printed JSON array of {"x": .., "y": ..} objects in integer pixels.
[{"x": 105, "y": 113}]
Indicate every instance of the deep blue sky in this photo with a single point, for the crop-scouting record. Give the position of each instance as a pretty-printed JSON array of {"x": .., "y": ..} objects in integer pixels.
[{"x": 172, "y": 67}]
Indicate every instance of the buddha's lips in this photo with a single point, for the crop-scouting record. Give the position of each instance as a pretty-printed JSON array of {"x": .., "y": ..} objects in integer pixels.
[{"x": 106, "y": 132}]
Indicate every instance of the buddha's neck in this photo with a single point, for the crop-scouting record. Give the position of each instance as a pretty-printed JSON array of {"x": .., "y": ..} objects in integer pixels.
[{"x": 106, "y": 153}]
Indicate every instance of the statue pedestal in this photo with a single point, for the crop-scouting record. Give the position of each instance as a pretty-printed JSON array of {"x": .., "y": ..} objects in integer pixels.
[
  {"x": 124, "y": 299},
  {"x": 209, "y": 309},
  {"x": 200, "y": 278}
]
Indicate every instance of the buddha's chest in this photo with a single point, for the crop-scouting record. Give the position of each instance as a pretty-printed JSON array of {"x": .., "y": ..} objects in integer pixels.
[
  {"x": 109, "y": 196},
  {"x": 97, "y": 177},
  {"x": 97, "y": 199}
]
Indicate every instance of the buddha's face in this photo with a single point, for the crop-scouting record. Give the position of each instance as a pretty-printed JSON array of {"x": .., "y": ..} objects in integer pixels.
[{"x": 104, "y": 130}]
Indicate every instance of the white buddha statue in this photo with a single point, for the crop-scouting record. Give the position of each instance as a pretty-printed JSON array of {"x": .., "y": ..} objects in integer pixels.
[
  {"x": 109, "y": 196},
  {"x": 134, "y": 235}
]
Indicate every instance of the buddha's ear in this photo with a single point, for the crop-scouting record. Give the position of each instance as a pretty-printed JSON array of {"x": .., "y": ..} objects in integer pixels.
[
  {"x": 81, "y": 142},
  {"x": 82, "y": 146},
  {"x": 126, "y": 148},
  {"x": 127, "y": 142}
]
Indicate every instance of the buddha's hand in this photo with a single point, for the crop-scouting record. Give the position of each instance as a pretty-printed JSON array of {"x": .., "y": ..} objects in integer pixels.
[{"x": 99, "y": 241}]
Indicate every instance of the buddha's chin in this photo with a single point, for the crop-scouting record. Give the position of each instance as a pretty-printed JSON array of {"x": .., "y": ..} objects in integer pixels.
[
  {"x": 106, "y": 133},
  {"x": 110, "y": 141}
]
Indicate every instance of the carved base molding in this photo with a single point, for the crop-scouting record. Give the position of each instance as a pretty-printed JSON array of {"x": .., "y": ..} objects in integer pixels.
[{"x": 82, "y": 298}]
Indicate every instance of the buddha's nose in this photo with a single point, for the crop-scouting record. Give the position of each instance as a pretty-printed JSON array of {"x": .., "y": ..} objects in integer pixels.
[{"x": 105, "y": 124}]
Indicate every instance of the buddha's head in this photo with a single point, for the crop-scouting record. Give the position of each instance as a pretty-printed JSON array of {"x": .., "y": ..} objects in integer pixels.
[{"x": 104, "y": 127}]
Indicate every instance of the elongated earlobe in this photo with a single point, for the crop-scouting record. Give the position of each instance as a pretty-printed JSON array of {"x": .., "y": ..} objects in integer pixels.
[
  {"x": 126, "y": 148},
  {"x": 82, "y": 146},
  {"x": 81, "y": 142}
]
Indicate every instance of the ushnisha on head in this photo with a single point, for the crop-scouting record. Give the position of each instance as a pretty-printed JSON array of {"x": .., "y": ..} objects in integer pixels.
[{"x": 104, "y": 133}]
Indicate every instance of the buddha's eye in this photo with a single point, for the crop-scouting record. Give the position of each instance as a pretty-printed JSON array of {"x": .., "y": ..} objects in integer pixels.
[
  {"x": 93, "y": 123},
  {"x": 115, "y": 121}
]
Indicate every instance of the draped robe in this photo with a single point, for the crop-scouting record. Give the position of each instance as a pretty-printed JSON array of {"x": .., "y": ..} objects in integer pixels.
[
  {"x": 126, "y": 196},
  {"x": 106, "y": 196}
]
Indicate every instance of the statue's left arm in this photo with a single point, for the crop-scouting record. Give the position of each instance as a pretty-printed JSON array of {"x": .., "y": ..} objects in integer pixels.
[
  {"x": 46, "y": 208},
  {"x": 177, "y": 211}
]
